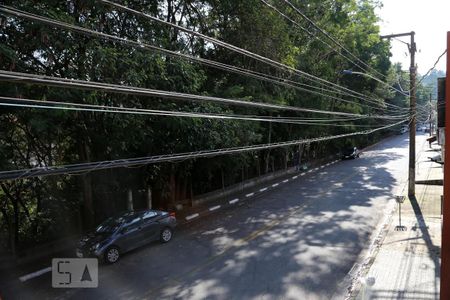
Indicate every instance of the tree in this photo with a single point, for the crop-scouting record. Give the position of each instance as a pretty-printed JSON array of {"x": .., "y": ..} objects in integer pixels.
[{"x": 31, "y": 208}]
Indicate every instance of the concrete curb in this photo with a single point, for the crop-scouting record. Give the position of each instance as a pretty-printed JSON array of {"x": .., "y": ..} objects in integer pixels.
[{"x": 251, "y": 195}]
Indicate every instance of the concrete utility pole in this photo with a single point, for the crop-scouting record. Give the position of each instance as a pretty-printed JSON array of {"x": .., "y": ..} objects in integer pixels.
[
  {"x": 412, "y": 111},
  {"x": 445, "y": 247},
  {"x": 431, "y": 114}
]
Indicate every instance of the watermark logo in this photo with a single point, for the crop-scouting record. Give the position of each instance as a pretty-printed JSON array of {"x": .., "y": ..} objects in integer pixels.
[{"x": 74, "y": 273}]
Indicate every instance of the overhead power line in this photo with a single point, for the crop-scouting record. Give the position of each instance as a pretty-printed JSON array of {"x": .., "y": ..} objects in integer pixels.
[
  {"x": 311, "y": 34},
  {"x": 55, "y": 105},
  {"x": 247, "y": 53},
  {"x": 341, "y": 46},
  {"x": 432, "y": 68},
  {"x": 331, "y": 38},
  {"x": 114, "y": 88},
  {"x": 331, "y": 47},
  {"x": 237, "y": 70},
  {"x": 308, "y": 32},
  {"x": 132, "y": 162}
]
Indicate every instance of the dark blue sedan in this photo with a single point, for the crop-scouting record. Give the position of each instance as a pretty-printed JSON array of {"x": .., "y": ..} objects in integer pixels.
[{"x": 125, "y": 232}]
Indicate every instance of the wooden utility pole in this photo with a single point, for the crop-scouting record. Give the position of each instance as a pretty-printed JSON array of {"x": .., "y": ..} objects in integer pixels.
[
  {"x": 412, "y": 111},
  {"x": 445, "y": 247}
]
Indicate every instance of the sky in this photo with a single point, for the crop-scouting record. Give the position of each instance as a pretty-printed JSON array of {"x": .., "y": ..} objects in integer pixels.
[{"x": 429, "y": 19}]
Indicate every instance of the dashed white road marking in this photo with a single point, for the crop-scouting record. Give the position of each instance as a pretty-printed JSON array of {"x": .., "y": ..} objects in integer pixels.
[
  {"x": 263, "y": 189},
  {"x": 34, "y": 274},
  {"x": 233, "y": 201},
  {"x": 294, "y": 177},
  {"x": 191, "y": 217},
  {"x": 249, "y": 195},
  {"x": 275, "y": 184},
  {"x": 286, "y": 180},
  {"x": 214, "y": 208}
]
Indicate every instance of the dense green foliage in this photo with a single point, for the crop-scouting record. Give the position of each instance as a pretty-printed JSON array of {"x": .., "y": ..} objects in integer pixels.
[{"x": 41, "y": 209}]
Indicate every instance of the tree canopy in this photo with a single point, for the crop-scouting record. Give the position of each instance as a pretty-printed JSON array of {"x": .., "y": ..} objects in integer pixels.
[{"x": 32, "y": 137}]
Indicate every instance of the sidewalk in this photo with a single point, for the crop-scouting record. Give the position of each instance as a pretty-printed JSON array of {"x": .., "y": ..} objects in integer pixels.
[{"x": 407, "y": 263}]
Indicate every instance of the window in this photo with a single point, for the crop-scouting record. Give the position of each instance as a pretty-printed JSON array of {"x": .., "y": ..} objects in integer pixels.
[
  {"x": 149, "y": 214},
  {"x": 132, "y": 224}
]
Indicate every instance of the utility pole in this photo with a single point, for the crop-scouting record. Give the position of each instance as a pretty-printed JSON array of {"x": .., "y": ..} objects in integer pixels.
[
  {"x": 431, "y": 114},
  {"x": 445, "y": 247},
  {"x": 412, "y": 111}
]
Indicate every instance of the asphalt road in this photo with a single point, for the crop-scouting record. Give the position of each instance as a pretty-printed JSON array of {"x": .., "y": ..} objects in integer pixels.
[{"x": 298, "y": 241}]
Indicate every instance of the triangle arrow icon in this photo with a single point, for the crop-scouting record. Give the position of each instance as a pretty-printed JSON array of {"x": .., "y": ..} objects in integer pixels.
[{"x": 86, "y": 275}]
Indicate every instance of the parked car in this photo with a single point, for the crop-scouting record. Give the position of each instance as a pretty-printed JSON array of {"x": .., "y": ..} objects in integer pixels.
[
  {"x": 421, "y": 127},
  {"x": 403, "y": 130},
  {"x": 126, "y": 231},
  {"x": 350, "y": 153}
]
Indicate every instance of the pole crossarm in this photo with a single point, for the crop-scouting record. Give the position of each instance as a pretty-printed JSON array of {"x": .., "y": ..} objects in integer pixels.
[{"x": 388, "y": 36}]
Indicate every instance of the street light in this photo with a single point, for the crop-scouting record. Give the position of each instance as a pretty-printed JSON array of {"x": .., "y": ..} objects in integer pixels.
[{"x": 350, "y": 72}]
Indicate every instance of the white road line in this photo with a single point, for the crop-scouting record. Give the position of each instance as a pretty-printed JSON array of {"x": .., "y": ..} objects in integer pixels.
[
  {"x": 249, "y": 195},
  {"x": 233, "y": 201},
  {"x": 214, "y": 208},
  {"x": 275, "y": 184},
  {"x": 286, "y": 180},
  {"x": 191, "y": 217},
  {"x": 34, "y": 274},
  {"x": 263, "y": 189},
  {"x": 302, "y": 174},
  {"x": 309, "y": 171},
  {"x": 294, "y": 177}
]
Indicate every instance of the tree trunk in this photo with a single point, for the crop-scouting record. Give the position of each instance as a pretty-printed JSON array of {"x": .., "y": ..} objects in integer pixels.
[
  {"x": 267, "y": 158},
  {"x": 242, "y": 178},
  {"x": 149, "y": 197},
  {"x": 258, "y": 166},
  {"x": 191, "y": 193},
  {"x": 13, "y": 227},
  {"x": 300, "y": 153},
  {"x": 130, "y": 200},
  {"x": 9, "y": 227},
  {"x": 86, "y": 182},
  {"x": 172, "y": 188},
  {"x": 286, "y": 157},
  {"x": 15, "y": 231}
]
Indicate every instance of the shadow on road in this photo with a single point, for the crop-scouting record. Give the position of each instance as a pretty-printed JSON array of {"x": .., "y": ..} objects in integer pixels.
[{"x": 295, "y": 242}]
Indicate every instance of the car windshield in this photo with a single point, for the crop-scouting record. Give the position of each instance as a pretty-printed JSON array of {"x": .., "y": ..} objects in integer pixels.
[{"x": 110, "y": 225}]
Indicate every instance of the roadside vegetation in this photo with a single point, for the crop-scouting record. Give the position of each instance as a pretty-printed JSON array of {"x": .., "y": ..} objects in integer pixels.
[{"x": 42, "y": 209}]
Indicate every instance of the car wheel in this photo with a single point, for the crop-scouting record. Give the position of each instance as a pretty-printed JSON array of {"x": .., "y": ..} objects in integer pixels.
[
  {"x": 166, "y": 235},
  {"x": 112, "y": 255}
]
